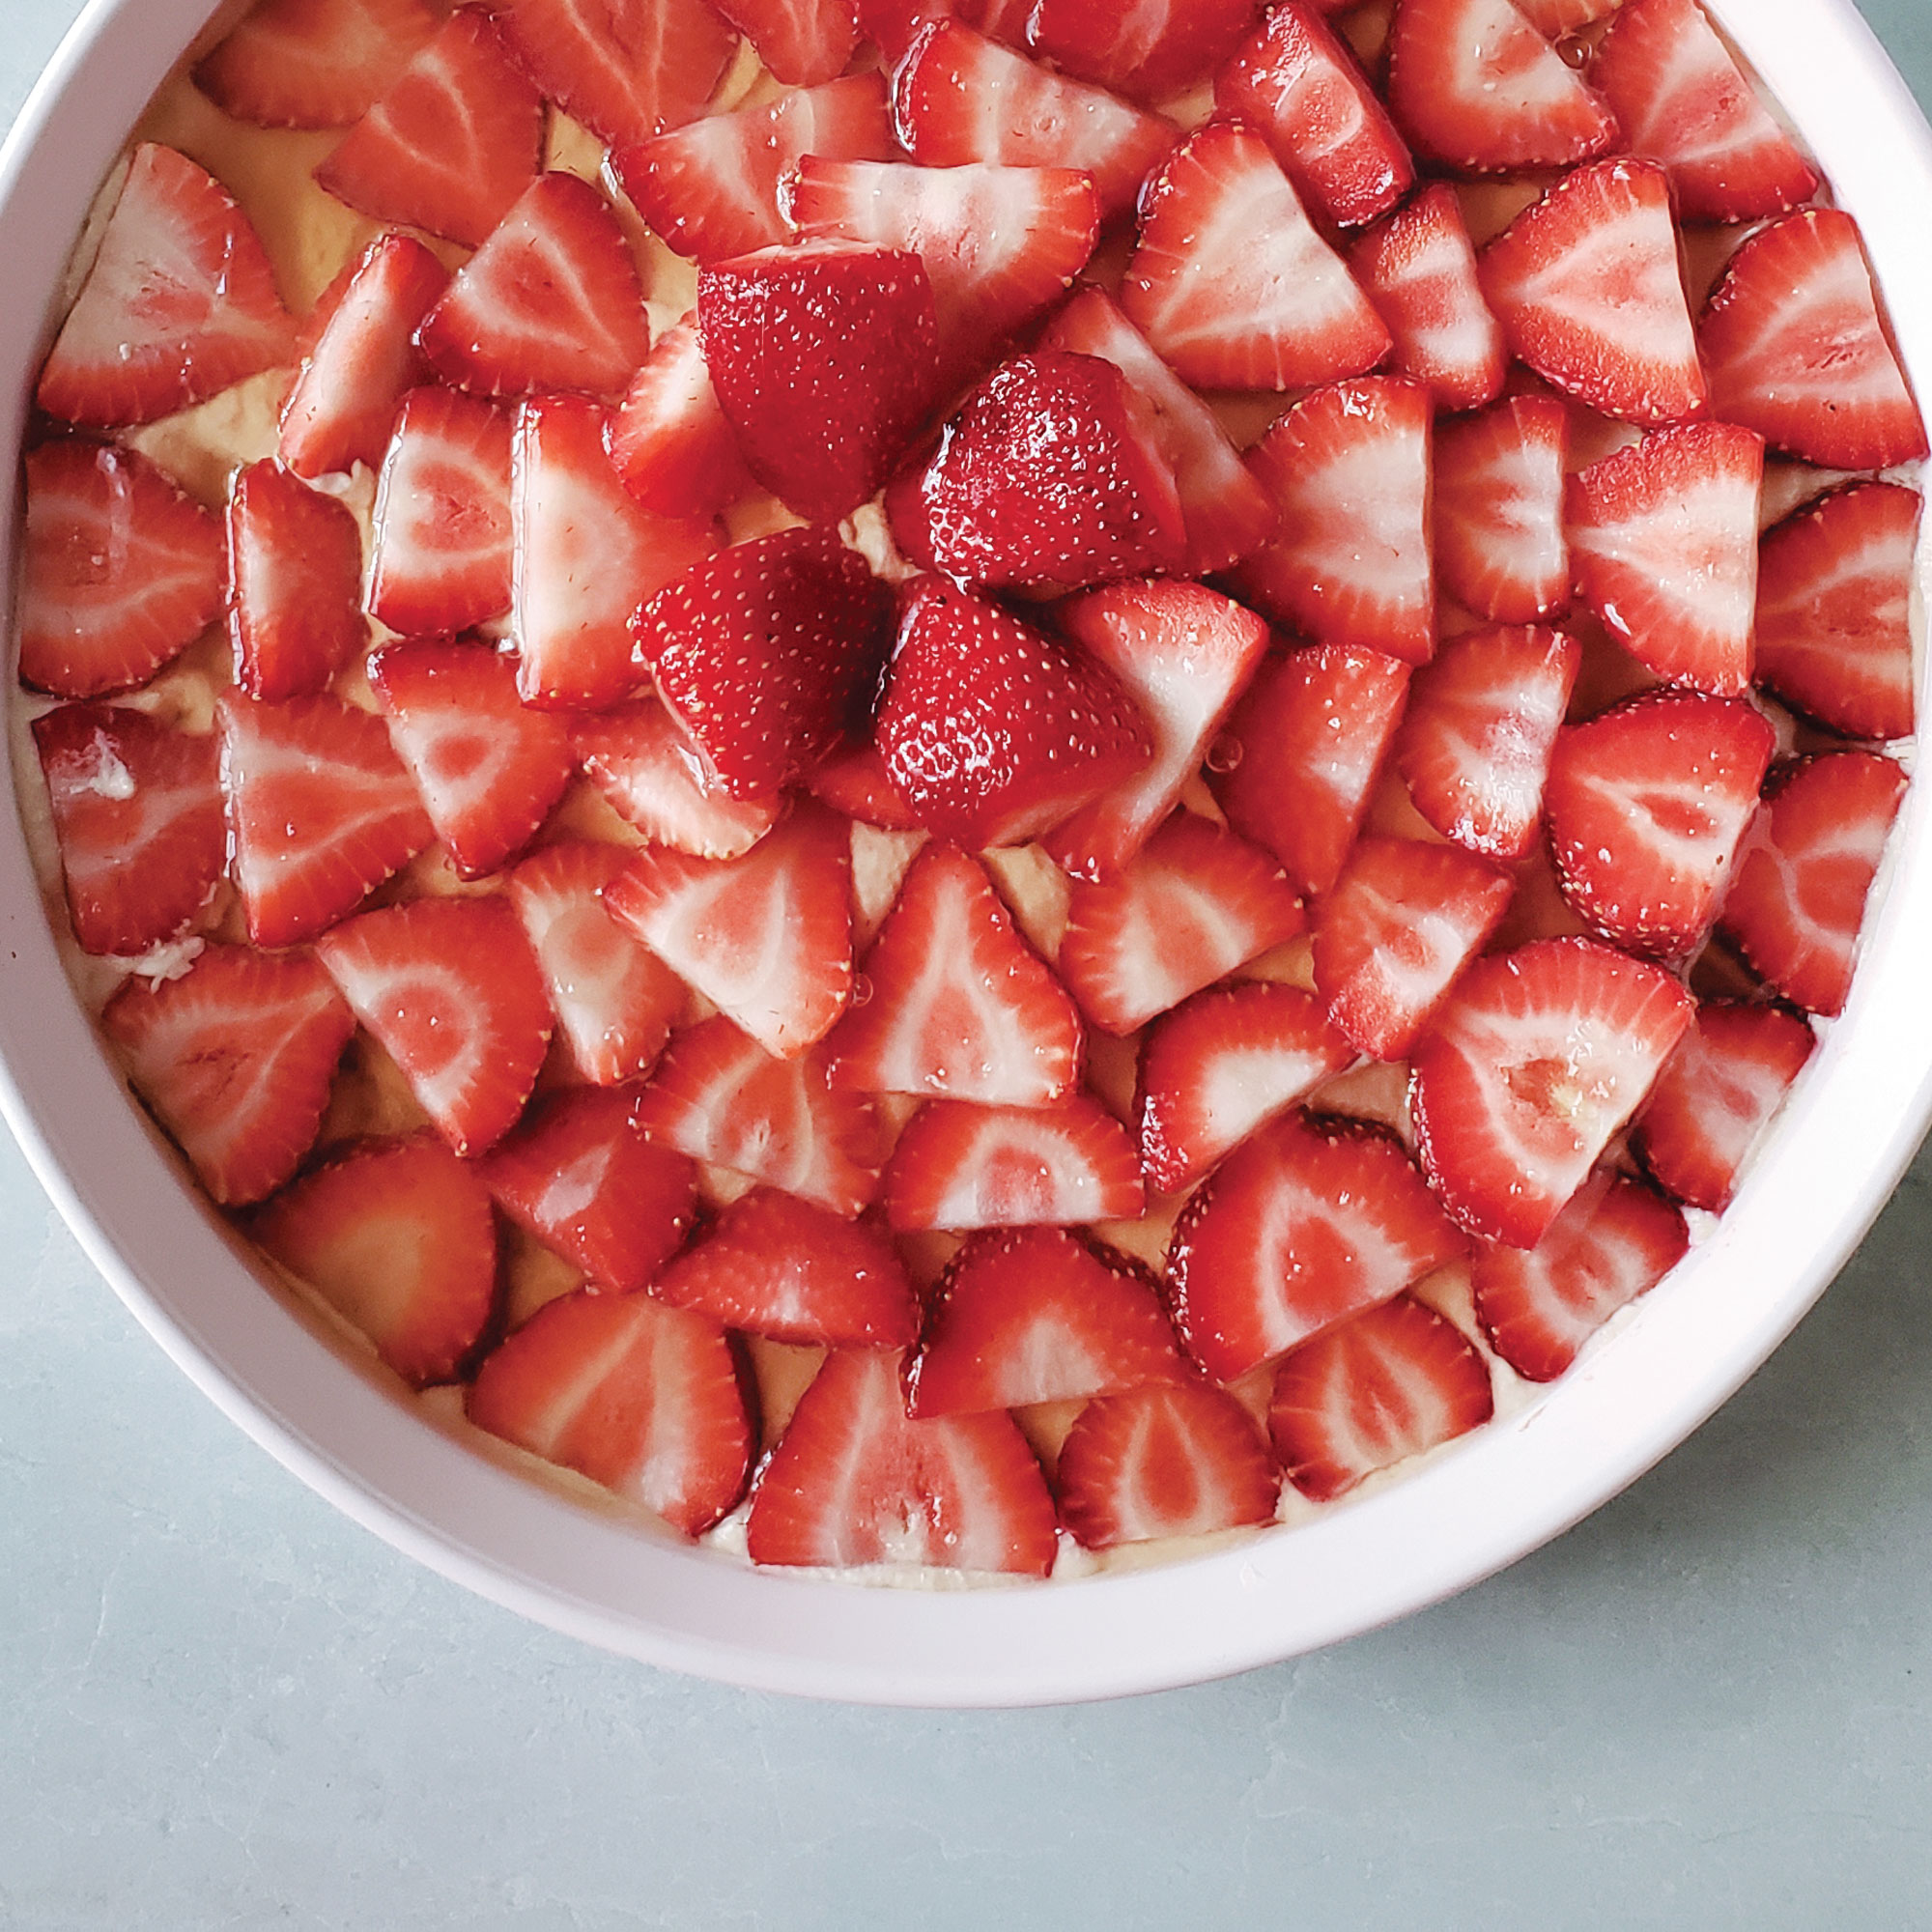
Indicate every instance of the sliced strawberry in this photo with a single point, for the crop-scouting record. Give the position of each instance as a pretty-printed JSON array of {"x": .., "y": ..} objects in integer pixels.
[
  {"x": 854, "y": 784},
  {"x": 1027, "y": 1314},
  {"x": 1499, "y": 546},
  {"x": 802, "y": 43},
  {"x": 312, "y": 63},
  {"x": 1305, "y": 1224},
  {"x": 442, "y": 556},
  {"x": 1232, "y": 285},
  {"x": 1387, "y": 1386},
  {"x": 120, "y": 569},
  {"x": 669, "y": 440},
  {"x": 766, "y": 655},
  {"x": 180, "y": 302},
  {"x": 1049, "y": 730},
  {"x": 959, "y": 1006},
  {"x": 1681, "y": 100},
  {"x": 1556, "y": 19},
  {"x": 489, "y": 770},
  {"x": 398, "y": 1239},
  {"x": 1312, "y": 732},
  {"x": 649, "y": 774},
  {"x": 1537, "y": 1057},
  {"x": 1795, "y": 348},
  {"x": 1588, "y": 291},
  {"x": 1146, "y": 53},
  {"x": 451, "y": 144},
  {"x": 1348, "y": 468},
  {"x": 766, "y": 938},
  {"x": 1614, "y": 1241},
  {"x": 853, "y": 1481},
  {"x": 1802, "y": 877},
  {"x": 641, "y": 1397},
  {"x": 893, "y": 25},
  {"x": 1834, "y": 635},
  {"x": 295, "y": 584}
]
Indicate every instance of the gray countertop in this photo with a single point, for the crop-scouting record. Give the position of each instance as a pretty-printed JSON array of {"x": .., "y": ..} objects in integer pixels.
[{"x": 224, "y": 1705}]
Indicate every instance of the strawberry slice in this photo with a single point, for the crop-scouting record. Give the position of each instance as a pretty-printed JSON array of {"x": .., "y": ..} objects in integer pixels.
[
  {"x": 718, "y": 1096},
  {"x": 1313, "y": 733},
  {"x": 1392, "y": 1382},
  {"x": 1499, "y": 547},
  {"x": 398, "y": 1239},
  {"x": 958, "y": 97},
  {"x": 959, "y": 1006},
  {"x": 1348, "y": 468},
  {"x": 794, "y": 1272},
  {"x": 669, "y": 440},
  {"x": 442, "y": 556},
  {"x": 342, "y": 407},
  {"x": 582, "y": 1176},
  {"x": 766, "y": 655},
  {"x": 1049, "y": 731},
  {"x": 1802, "y": 877},
  {"x": 643, "y": 1399},
  {"x": 960, "y": 1166},
  {"x": 138, "y": 818},
  {"x": 450, "y": 991},
  {"x": 1403, "y": 920},
  {"x": 119, "y": 571},
  {"x": 1146, "y": 53},
  {"x": 648, "y": 774},
  {"x": 1194, "y": 903},
  {"x": 854, "y": 784},
  {"x": 1027, "y": 1314},
  {"x": 1475, "y": 742},
  {"x": 615, "y": 1000},
  {"x": 550, "y": 301},
  {"x": 1304, "y": 1225},
  {"x": 1682, "y": 100},
  {"x": 1646, "y": 805},
  {"x": 1834, "y": 635},
  {"x": 1297, "y": 85},
  {"x": 1614, "y": 1241},
  {"x": 1661, "y": 541},
  {"x": 1230, "y": 282},
  {"x": 766, "y": 938},
  {"x": 802, "y": 43},
  {"x": 853, "y": 1482},
  {"x": 1556, "y": 19},
  {"x": 321, "y": 811},
  {"x": 1795, "y": 348},
  {"x": 1157, "y": 1462},
  {"x": 1535, "y": 1061},
  {"x": 180, "y": 302},
  {"x": 451, "y": 144},
  {"x": 489, "y": 770},
  {"x": 236, "y": 1058},
  {"x": 312, "y": 63},
  {"x": 1588, "y": 291},
  {"x": 893, "y": 25},
  {"x": 295, "y": 584}
]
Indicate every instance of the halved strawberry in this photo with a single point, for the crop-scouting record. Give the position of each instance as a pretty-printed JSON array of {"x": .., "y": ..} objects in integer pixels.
[
  {"x": 1587, "y": 287},
  {"x": 1348, "y": 468},
  {"x": 893, "y": 25},
  {"x": 766, "y": 938},
  {"x": 853, "y": 1481},
  {"x": 962, "y": 1166},
  {"x": 451, "y": 144},
  {"x": 1314, "y": 730},
  {"x": 1834, "y": 635},
  {"x": 294, "y": 583},
  {"x": 853, "y": 783},
  {"x": 312, "y": 63},
  {"x": 1795, "y": 348},
  {"x": 321, "y": 811},
  {"x": 489, "y": 769},
  {"x": 1146, "y": 52},
  {"x": 180, "y": 303},
  {"x": 119, "y": 571},
  {"x": 397, "y": 1237},
  {"x": 1027, "y": 1314},
  {"x": 669, "y": 440},
  {"x": 1387, "y": 1386},
  {"x": 795, "y": 1272},
  {"x": 1804, "y": 872},
  {"x": 958, "y": 1006},
  {"x": 1534, "y": 1062},
  {"x": 1499, "y": 548},
  {"x": 1232, "y": 285},
  {"x": 1305, "y": 1224},
  {"x": 650, "y": 774},
  {"x": 1661, "y": 543},
  {"x": 643, "y": 1399},
  {"x": 1614, "y": 1241},
  {"x": 802, "y": 43}
]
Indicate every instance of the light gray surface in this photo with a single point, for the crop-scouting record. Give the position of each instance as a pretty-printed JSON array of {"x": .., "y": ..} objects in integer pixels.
[{"x": 221, "y": 1705}]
